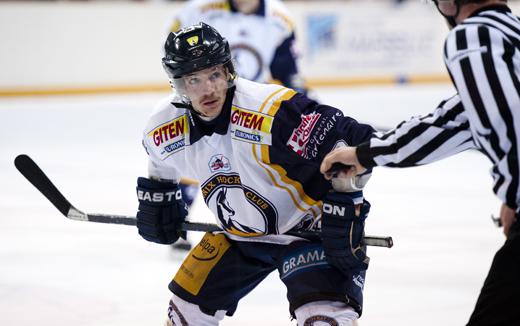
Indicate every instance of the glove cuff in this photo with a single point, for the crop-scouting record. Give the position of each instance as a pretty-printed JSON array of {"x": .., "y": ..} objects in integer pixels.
[{"x": 157, "y": 193}]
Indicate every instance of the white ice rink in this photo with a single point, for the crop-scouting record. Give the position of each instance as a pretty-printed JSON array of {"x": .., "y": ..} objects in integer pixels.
[{"x": 56, "y": 272}]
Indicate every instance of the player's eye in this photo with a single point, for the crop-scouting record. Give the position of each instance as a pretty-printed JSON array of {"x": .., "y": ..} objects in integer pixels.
[
  {"x": 216, "y": 75},
  {"x": 193, "y": 80}
]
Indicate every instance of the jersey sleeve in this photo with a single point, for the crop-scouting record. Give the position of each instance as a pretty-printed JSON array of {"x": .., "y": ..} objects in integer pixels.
[
  {"x": 420, "y": 140},
  {"x": 283, "y": 67},
  {"x": 190, "y": 13},
  {"x": 158, "y": 168},
  {"x": 304, "y": 131}
]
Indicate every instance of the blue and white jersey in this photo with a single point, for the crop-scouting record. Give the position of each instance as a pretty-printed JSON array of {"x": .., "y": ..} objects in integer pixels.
[
  {"x": 257, "y": 163},
  {"x": 261, "y": 43}
]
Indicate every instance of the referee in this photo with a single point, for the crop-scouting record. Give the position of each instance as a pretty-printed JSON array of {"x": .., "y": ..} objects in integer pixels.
[{"x": 482, "y": 54}]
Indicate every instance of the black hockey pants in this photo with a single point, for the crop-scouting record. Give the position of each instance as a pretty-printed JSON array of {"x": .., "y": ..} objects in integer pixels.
[{"x": 499, "y": 299}]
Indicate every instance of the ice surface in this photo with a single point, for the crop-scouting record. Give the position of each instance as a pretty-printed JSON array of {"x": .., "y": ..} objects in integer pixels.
[{"x": 56, "y": 272}]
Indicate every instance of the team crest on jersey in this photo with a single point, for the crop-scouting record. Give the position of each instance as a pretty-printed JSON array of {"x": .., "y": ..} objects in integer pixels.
[
  {"x": 219, "y": 163},
  {"x": 302, "y": 134},
  {"x": 170, "y": 137},
  {"x": 251, "y": 126},
  {"x": 231, "y": 201}
]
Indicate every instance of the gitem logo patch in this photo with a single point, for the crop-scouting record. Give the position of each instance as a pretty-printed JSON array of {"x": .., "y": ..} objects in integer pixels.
[
  {"x": 170, "y": 136},
  {"x": 250, "y": 126}
]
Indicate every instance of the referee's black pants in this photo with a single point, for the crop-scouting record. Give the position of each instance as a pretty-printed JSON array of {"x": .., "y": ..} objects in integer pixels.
[{"x": 499, "y": 299}]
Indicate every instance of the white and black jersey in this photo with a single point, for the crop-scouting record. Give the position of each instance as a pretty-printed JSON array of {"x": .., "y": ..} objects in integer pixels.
[
  {"x": 258, "y": 162},
  {"x": 483, "y": 59}
]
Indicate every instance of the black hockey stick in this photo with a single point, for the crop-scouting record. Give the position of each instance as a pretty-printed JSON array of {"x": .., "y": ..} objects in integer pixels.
[{"x": 32, "y": 172}]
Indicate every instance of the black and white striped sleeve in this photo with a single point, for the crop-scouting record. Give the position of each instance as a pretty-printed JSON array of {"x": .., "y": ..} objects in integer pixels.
[
  {"x": 420, "y": 140},
  {"x": 483, "y": 59}
]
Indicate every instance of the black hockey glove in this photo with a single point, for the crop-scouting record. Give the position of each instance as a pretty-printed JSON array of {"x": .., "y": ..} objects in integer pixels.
[
  {"x": 342, "y": 232},
  {"x": 161, "y": 211}
]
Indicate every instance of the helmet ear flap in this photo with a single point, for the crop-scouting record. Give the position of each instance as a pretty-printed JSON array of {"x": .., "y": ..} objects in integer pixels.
[{"x": 451, "y": 17}]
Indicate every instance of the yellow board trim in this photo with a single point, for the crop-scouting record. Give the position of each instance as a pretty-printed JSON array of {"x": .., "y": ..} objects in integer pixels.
[
  {"x": 58, "y": 90},
  {"x": 195, "y": 269},
  {"x": 84, "y": 90}
]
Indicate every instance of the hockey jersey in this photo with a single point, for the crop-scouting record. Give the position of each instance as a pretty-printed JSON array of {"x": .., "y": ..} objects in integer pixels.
[
  {"x": 261, "y": 43},
  {"x": 257, "y": 162}
]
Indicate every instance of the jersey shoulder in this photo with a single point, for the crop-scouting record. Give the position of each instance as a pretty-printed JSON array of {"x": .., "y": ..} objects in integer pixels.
[
  {"x": 259, "y": 97},
  {"x": 195, "y": 11},
  {"x": 203, "y": 6},
  {"x": 475, "y": 34},
  {"x": 166, "y": 128},
  {"x": 276, "y": 10}
]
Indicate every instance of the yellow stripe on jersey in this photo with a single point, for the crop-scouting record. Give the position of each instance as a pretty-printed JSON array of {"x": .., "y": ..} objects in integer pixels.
[
  {"x": 265, "y": 148},
  {"x": 176, "y": 26},
  {"x": 196, "y": 267},
  {"x": 221, "y": 5},
  {"x": 239, "y": 233},
  {"x": 288, "y": 21},
  {"x": 189, "y": 181},
  {"x": 283, "y": 175},
  {"x": 281, "y": 171},
  {"x": 276, "y": 105},
  {"x": 269, "y": 98}
]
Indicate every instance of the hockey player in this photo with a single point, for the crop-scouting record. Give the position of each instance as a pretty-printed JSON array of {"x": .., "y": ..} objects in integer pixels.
[
  {"x": 255, "y": 149},
  {"x": 260, "y": 34},
  {"x": 482, "y": 54}
]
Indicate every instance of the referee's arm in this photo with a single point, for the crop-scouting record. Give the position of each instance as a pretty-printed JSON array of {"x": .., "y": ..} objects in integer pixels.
[
  {"x": 481, "y": 60},
  {"x": 420, "y": 140}
]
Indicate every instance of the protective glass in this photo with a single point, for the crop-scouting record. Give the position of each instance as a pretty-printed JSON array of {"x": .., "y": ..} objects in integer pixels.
[{"x": 198, "y": 84}]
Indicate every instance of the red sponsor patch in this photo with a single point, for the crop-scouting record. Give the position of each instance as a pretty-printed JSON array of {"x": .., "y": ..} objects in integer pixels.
[{"x": 301, "y": 135}]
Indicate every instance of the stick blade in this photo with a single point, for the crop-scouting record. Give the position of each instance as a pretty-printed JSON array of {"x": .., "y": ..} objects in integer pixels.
[{"x": 32, "y": 172}]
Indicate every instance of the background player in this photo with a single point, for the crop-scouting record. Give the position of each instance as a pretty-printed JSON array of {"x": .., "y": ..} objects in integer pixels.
[{"x": 260, "y": 33}]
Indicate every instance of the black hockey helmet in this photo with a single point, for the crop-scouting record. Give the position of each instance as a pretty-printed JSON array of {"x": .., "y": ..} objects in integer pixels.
[
  {"x": 451, "y": 16},
  {"x": 195, "y": 48}
]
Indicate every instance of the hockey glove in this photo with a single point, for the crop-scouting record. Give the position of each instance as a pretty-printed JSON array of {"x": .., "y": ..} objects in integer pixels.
[
  {"x": 342, "y": 232},
  {"x": 161, "y": 211}
]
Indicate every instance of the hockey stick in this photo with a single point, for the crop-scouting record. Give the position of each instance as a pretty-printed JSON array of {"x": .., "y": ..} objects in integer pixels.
[{"x": 32, "y": 172}]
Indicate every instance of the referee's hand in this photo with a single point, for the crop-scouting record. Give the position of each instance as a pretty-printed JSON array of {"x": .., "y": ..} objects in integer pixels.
[{"x": 507, "y": 218}]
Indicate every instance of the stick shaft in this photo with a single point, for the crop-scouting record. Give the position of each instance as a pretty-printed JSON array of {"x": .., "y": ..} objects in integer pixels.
[{"x": 32, "y": 172}]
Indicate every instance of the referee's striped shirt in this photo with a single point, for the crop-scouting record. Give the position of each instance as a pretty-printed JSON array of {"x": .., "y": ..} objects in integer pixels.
[{"x": 482, "y": 55}]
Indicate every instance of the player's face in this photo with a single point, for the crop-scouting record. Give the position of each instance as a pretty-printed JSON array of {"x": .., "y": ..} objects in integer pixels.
[
  {"x": 246, "y": 6},
  {"x": 207, "y": 90}
]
